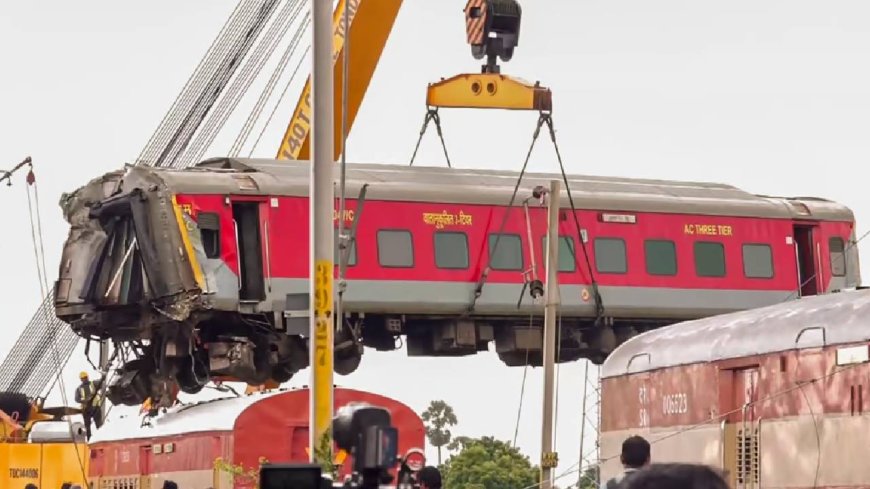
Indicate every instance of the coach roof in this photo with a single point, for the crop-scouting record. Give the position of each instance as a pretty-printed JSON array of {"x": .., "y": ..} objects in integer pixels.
[
  {"x": 830, "y": 319},
  {"x": 494, "y": 187}
]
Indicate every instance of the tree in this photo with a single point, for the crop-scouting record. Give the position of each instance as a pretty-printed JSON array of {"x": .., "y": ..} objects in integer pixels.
[
  {"x": 439, "y": 416},
  {"x": 459, "y": 443},
  {"x": 487, "y": 463},
  {"x": 589, "y": 479}
]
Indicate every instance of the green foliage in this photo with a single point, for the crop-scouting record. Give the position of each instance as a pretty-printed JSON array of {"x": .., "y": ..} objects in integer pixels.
[
  {"x": 323, "y": 454},
  {"x": 240, "y": 474},
  {"x": 439, "y": 417},
  {"x": 459, "y": 443},
  {"x": 590, "y": 478},
  {"x": 487, "y": 463}
]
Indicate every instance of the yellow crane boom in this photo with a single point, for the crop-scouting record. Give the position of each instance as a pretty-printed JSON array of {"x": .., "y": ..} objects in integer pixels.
[{"x": 371, "y": 22}]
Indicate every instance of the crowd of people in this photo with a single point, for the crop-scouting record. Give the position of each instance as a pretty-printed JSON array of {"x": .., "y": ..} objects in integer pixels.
[{"x": 639, "y": 473}]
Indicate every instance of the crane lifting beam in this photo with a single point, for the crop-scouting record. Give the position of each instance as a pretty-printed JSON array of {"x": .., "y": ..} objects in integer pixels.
[{"x": 489, "y": 91}]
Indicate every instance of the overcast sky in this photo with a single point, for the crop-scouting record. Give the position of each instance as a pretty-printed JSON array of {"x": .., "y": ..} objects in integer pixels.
[{"x": 770, "y": 96}]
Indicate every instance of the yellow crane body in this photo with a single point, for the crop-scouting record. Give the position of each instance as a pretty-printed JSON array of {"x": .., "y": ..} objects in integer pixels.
[
  {"x": 371, "y": 22},
  {"x": 42, "y": 463}
]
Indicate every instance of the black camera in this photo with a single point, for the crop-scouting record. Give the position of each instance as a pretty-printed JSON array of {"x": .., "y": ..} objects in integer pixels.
[{"x": 367, "y": 434}]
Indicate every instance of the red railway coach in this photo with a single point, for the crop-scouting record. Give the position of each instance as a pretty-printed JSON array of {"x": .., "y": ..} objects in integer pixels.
[
  {"x": 183, "y": 444},
  {"x": 210, "y": 264},
  {"x": 774, "y": 395}
]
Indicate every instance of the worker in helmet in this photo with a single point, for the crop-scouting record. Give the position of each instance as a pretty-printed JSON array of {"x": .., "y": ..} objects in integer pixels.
[{"x": 88, "y": 397}]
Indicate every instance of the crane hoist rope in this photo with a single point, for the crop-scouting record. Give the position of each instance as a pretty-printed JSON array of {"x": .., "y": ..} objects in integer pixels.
[
  {"x": 543, "y": 118},
  {"x": 267, "y": 91},
  {"x": 39, "y": 251},
  {"x": 280, "y": 99},
  {"x": 242, "y": 81},
  {"x": 209, "y": 96},
  {"x": 431, "y": 116},
  {"x": 226, "y": 39}
]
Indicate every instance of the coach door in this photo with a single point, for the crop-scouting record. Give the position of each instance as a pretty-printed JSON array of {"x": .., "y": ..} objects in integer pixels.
[
  {"x": 739, "y": 399},
  {"x": 251, "y": 221},
  {"x": 807, "y": 255}
]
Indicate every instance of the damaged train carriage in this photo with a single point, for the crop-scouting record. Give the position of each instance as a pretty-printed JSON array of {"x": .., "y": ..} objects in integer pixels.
[
  {"x": 202, "y": 269},
  {"x": 132, "y": 270}
]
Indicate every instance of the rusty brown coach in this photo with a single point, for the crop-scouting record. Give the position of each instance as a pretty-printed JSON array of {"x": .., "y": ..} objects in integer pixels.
[{"x": 776, "y": 396}]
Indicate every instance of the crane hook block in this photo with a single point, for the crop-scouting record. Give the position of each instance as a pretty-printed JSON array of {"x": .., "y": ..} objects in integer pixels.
[{"x": 492, "y": 28}]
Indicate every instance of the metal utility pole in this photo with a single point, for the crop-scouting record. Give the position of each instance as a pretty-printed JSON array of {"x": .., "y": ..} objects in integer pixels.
[
  {"x": 321, "y": 251},
  {"x": 549, "y": 458}
]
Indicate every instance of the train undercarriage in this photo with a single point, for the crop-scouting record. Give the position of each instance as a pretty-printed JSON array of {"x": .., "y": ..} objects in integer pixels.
[{"x": 255, "y": 349}]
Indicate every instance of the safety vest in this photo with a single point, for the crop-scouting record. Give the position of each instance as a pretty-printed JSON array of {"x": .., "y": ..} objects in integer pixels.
[{"x": 85, "y": 392}]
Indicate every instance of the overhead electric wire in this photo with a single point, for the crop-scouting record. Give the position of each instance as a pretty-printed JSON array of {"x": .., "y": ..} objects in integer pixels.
[{"x": 239, "y": 85}]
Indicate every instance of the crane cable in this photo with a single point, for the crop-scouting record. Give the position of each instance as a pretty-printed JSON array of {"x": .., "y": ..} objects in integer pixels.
[
  {"x": 279, "y": 101},
  {"x": 253, "y": 65},
  {"x": 431, "y": 116},
  {"x": 230, "y": 41},
  {"x": 544, "y": 117},
  {"x": 42, "y": 278},
  {"x": 342, "y": 241},
  {"x": 266, "y": 93},
  {"x": 194, "y": 81},
  {"x": 181, "y": 139}
]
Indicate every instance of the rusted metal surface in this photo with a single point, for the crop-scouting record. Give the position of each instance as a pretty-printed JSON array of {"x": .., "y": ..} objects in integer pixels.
[
  {"x": 828, "y": 319},
  {"x": 752, "y": 393}
]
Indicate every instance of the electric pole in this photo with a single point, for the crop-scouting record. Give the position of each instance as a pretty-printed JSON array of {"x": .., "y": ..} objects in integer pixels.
[
  {"x": 321, "y": 251},
  {"x": 549, "y": 458}
]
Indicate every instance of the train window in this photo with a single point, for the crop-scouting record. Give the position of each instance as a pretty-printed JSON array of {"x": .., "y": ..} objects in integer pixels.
[
  {"x": 210, "y": 231},
  {"x": 451, "y": 249},
  {"x": 610, "y": 255},
  {"x": 509, "y": 255},
  {"x": 709, "y": 259},
  {"x": 351, "y": 256},
  {"x": 661, "y": 257},
  {"x": 757, "y": 261},
  {"x": 567, "y": 262},
  {"x": 837, "y": 248},
  {"x": 395, "y": 249}
]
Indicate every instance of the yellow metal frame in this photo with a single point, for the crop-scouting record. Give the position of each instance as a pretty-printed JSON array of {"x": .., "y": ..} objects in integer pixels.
[
  {"x": 489, "y": 91},
  {"x": 371, "y": 22}
]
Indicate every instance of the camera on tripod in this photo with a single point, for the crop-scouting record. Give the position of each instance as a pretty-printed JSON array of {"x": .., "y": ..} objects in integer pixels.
[{"x": 367, "y": 434}]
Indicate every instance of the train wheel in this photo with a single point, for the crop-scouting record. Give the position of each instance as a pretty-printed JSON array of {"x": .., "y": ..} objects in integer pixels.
[
  {"x": 283, "y": 373},
  {"x": 346, "y": 364}
]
